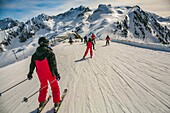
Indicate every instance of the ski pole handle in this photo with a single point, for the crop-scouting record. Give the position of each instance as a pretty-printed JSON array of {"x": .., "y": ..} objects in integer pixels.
[
  {"x": 12, "y": 87},
  {"x": 25, "y": 99}
]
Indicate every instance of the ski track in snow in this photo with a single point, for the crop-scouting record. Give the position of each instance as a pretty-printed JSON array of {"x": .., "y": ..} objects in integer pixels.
[{"x": 118, "y": 79}]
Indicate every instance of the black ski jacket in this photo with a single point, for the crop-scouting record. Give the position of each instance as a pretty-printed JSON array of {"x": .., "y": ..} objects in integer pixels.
[{"x": 41, "y": 53}]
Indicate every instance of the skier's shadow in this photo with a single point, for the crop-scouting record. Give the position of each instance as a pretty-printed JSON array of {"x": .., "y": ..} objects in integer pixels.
[
  {"x": 104, "y": 45},
  {"x": 50, "y": 111},
  {"x": 82, "y": 59}
]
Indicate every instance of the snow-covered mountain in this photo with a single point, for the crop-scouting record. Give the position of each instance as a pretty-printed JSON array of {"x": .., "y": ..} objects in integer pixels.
[
  {"x": 8, "y": 23},
  {"x": 130, "y": 23}
]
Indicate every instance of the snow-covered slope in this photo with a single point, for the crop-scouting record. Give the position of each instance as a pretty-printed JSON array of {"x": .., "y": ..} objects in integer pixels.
[{"x": 118, "y": 79}]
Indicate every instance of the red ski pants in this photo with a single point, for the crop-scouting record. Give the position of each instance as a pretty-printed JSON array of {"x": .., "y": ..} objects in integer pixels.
[
  {"x": 45, "y": 76},
  {"x": 91, "y": 52}
]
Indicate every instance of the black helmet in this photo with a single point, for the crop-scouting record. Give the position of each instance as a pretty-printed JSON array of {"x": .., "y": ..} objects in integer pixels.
[{"x": 43, "y": 41}]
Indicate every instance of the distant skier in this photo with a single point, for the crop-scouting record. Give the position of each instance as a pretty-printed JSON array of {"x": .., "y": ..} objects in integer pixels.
[
  {"x": 89, "y": 46},
  {"x": 107, "y": 40},
  {"x": 85, "y": 39},
  {"x": 70, "y": 40},
  {"x": 45, "y": 62},
  {"x": 93, "y": 40}
]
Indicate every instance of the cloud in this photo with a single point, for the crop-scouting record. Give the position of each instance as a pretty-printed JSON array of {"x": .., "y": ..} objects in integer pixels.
[{"x": 23, "y": 9}]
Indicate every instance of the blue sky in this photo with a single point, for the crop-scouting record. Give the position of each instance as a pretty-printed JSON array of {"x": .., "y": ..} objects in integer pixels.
[
  {"x": 26, "y": 9},
  {"x": 23, "y": 10}
]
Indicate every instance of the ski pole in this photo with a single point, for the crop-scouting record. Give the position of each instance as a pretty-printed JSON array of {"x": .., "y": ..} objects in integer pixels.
[
  {"x": 25, "y": 99},
  {"x": 12, "y": 87}
]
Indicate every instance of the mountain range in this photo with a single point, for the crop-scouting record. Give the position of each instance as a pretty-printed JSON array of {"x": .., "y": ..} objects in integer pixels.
[{"x": 125, "y": 22}]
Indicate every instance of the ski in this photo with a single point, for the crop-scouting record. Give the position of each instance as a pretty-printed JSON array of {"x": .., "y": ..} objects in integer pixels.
[
  {"x": 62, "y": 98},
  {"x": 42, "y": 107}
]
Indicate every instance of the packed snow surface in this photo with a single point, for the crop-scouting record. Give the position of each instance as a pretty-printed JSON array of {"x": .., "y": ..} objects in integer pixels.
[{"x": 118, "y": 79}]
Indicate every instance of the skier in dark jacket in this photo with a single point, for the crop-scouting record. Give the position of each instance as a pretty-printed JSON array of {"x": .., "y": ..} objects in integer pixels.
[
  {"x": 70, "y": 41},
  {"x": 93, "y": 40},
  {"x": 45, "y": 62},
  {"x": 85, "y": 39},
  {"x": 107, "y": 40}
]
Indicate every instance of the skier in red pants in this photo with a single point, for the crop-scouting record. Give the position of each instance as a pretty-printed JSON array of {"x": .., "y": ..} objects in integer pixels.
[
  {"x": 89, "y": 46},
  {"x": 44, "y": 61}
]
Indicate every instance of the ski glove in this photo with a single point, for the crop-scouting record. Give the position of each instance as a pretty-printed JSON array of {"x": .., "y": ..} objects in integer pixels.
[
  {"x": 29, "y": 76},
  {"x": 58, "y": 77},
  {"x": 55, "y": 73}
]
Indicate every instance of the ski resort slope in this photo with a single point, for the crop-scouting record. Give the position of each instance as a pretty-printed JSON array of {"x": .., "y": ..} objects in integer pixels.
[{"x": 118, "y": 79}]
